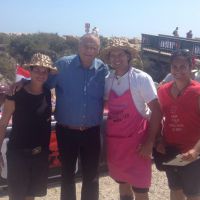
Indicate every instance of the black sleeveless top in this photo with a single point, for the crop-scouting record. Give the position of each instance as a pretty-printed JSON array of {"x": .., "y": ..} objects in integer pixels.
[{"x": 31, "y": 122}]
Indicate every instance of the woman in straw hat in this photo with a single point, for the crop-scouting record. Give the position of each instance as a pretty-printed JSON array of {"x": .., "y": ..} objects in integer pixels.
[
  {"x": 27, "y": 154},
  {"x": 133, "y": 120}
]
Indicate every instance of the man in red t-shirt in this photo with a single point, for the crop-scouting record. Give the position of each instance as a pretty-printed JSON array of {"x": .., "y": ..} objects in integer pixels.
[{"x": 180, "y": 105}]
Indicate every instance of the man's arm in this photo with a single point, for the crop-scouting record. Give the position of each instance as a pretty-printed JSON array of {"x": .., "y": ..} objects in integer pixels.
[
  {"x": 149, "y": 95},
  {"x": 51, "y": 81},
  {"x": 155, "y": 120},
  {"x": 153, "y": 129}
]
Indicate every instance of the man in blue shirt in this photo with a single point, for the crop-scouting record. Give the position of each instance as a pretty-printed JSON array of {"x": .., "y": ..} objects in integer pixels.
[{"x": 79, "y": 89}]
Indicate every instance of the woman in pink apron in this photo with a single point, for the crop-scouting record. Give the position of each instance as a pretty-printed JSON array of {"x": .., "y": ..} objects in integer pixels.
[{"x": 131, "y": 128}]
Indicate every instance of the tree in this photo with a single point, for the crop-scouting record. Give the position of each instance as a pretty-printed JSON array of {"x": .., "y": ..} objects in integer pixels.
[
  {"x": 22, "y": 48},
  {"x": 71, "y": 45},
  {"x": 4, "y": 38},
  {"x": 7, "y": 67}
]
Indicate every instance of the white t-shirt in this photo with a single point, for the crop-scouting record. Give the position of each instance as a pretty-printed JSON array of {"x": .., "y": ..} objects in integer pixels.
[{"x": 142, "y": 88}]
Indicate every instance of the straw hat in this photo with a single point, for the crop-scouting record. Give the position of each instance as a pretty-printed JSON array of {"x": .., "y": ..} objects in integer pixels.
[
  {"x": 117, "y": 43},
  {"x": 41, "y": 60}
]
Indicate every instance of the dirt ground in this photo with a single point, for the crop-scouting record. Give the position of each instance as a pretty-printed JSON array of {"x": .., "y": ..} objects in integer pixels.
[{"x": 109, "y": 189}]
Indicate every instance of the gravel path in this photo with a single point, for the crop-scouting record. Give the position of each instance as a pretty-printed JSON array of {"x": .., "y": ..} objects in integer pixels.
[{"x": 109, "y": 189}]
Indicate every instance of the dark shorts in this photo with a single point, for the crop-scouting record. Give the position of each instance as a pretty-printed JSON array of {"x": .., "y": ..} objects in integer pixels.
[
  {"x": 186, "y": 178},
  {"x": 135, "y": 189},
  {"x": 27, "y": 174}
]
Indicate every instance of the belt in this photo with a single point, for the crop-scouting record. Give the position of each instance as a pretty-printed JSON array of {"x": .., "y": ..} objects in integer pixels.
[
  {"x": 33, "y": 151},
  {"x": 77, "y": 128}
]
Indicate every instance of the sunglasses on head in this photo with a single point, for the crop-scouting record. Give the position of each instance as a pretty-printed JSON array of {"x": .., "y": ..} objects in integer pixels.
[{"x": 182, "y": 52}]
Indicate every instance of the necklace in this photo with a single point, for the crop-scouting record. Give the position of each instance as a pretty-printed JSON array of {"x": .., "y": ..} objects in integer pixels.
[
  {"x": 117, "y": 77},
  {"x": 120, "y": 77},
  {"x": 178, "y": 91}
]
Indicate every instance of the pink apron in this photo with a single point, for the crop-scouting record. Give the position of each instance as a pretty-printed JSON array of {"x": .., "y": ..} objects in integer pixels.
[{"x": 126, "y": 130}]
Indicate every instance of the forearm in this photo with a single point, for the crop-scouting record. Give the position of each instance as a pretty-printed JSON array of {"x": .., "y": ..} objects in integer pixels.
[
  {"x": 154, "y": 128},
  {"x": 193, "y": 153},
  {"x": 197, "y": 146},
  {"x": 153, "y": 132}
]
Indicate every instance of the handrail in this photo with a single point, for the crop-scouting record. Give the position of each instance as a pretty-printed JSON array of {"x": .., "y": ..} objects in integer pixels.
[{"x": 169, "y": 44}]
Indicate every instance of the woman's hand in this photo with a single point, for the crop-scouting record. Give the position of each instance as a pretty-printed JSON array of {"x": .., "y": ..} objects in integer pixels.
[{"x": 190, "y": 155}]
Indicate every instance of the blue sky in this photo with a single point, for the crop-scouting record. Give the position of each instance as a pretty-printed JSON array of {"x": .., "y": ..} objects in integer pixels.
[{"x": 127, "y": 18}]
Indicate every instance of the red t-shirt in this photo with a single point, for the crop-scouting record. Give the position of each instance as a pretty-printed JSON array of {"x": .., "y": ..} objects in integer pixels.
[{"x": 181, "y": 125}]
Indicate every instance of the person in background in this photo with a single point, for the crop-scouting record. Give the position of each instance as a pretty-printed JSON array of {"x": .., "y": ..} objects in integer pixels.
[
  {"x": 189, "y": 34},
  {"x": 133, "y": 121},
  {"x": 79, "y": 87},
  {"x": 28, "y": 146},
  {"x": 180, "y": 105},
  {"x": 175, "y": 32}
]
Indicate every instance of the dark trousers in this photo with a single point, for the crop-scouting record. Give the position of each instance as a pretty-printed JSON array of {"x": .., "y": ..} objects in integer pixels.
[
  {"x": 27, "y": 174},
  {"x": 86, "y": 144}
]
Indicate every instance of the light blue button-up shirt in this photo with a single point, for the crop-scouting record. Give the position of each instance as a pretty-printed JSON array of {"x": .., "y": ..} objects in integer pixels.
[{"x": 79, "y": 91}]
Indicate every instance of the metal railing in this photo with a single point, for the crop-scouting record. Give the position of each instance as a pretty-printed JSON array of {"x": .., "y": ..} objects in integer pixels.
[{"x": 168, "y": 44}]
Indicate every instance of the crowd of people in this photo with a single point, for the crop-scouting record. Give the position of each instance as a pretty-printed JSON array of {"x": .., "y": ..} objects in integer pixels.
[{"x": 140, "y": 118}]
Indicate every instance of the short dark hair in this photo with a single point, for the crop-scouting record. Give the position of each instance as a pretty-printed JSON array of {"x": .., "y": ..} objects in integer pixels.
[{"x": 183, "y": 53}]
